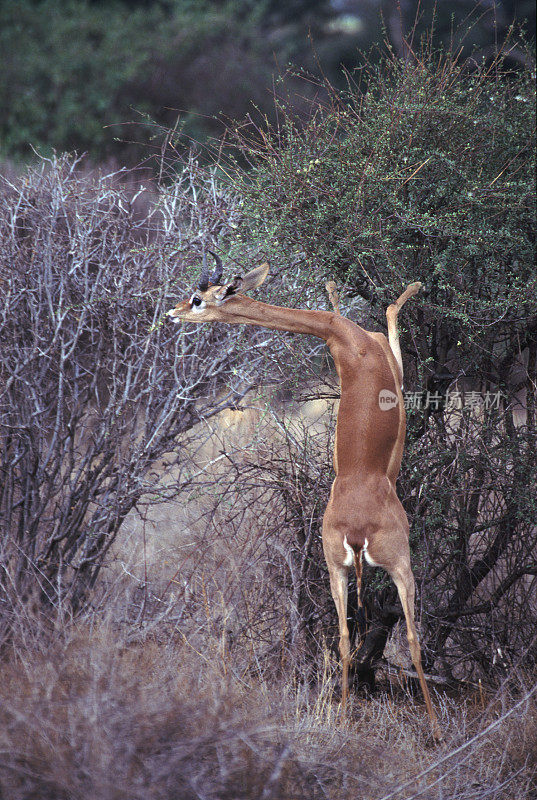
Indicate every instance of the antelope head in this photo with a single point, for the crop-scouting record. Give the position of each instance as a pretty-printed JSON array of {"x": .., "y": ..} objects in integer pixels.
[{"x": 213, "y": 300}]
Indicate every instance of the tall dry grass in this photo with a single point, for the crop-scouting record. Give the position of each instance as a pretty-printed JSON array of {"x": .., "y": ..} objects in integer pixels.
[{"x": 101, "y": 708}]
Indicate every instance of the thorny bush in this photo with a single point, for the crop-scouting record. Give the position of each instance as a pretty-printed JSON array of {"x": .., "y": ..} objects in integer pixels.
[{"x": 94, "y": 385}]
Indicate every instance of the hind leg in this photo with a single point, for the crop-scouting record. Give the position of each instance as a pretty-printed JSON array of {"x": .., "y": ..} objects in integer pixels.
[
  {"x": 339, "y": 589},
  {"x": 358, "y": 570},
  {"x": 361, "y": 620},
  {"x": 393, "y": 554},
  {"x": 404, "y": 580}
]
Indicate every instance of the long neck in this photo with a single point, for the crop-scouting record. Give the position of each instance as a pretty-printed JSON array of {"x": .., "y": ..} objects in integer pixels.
[
  {"x": 244, "y": 310},
  {"x": 368, "y": 439}
]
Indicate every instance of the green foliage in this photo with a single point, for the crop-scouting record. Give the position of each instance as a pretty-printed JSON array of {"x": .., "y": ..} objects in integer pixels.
[
  {"x": 76, "y": 76},
  {"x": 78, "y": 73},
  {"x": 66, "y": 67},
  {"x": 425, "y": 174},
  {"x": 424, "y": 170}
]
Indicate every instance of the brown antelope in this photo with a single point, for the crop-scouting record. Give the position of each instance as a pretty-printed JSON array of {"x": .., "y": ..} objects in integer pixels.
[{"x": 364, "y": 516}]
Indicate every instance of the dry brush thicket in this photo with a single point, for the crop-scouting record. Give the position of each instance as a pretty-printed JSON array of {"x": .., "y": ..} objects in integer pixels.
[
  {"x": 94, "y": 387},
  {"x": 205, "y": 670}
]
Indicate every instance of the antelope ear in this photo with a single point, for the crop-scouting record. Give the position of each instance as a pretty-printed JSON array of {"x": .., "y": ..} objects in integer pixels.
[
  {"x": 250, "y": 281},
  {"x": 253, "y": 279}
]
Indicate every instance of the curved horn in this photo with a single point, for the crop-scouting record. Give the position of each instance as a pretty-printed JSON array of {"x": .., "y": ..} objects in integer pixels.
[
  {"x": 204, "y": 277},
  {"x": 217, "y": 274}
]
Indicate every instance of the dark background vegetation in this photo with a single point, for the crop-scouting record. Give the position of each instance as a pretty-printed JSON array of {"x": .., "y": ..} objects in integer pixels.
[
  {"x": 95, "y": 76},
  {"x": 372, "y": 143}
]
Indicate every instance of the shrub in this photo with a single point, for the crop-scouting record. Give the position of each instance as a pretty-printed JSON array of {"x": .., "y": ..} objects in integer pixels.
[
  {"x": 94, "y": 387},
  {"x": 423, "y": 169}
]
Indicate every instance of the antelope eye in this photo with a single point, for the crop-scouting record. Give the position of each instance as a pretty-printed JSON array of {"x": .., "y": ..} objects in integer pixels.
[{"x": 196, "y": 303}]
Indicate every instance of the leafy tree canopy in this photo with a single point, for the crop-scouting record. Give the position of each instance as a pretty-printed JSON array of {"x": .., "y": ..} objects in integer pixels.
[{"x": 422, "y": 170}]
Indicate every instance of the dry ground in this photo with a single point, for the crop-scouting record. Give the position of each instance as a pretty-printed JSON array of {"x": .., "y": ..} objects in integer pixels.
[
  {"x": 96, "y": 709},
  {"x": 161, "y": 692}
]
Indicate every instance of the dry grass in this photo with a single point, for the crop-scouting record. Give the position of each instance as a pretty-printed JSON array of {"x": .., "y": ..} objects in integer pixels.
[
  {"x": 180, "y": 683},
  {"x": 97, "y": 710}
]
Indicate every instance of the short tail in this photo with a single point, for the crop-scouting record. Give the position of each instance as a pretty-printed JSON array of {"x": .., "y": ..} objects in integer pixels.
[{"x": 391, "y": 316}]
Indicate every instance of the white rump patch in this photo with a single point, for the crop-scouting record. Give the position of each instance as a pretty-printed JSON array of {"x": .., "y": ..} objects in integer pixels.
[
  {"x": 349, "y": 558},
  {"x": 368, "y": 557}
]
